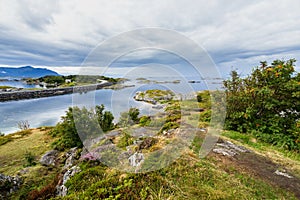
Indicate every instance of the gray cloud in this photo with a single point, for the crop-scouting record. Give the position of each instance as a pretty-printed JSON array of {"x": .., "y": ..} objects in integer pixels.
[{"x": 237, "y": 34}]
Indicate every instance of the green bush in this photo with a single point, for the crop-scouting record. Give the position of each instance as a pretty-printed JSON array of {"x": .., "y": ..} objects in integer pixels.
[
  {"x": 30, "y": 159},
  {"x": 205, "y": 116},
  {"x": 145, "y": 121},
  {"x": 125, "y": 140},
  {"x": 105, "y": 119},
  {"x": 129, "y": 118},
  {"x": 169, "y": 125},
  {"x": 157, "y": 122},
  {"x": 80, "y": 121},
  {"x": 266, "y": 103},
  {"x": 133, "y": 114}
]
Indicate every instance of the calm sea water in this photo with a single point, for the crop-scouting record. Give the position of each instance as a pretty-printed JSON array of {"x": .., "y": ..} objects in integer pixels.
[
  {"x": 17, "y": 84},
  {"x": 48, "y": 111}
]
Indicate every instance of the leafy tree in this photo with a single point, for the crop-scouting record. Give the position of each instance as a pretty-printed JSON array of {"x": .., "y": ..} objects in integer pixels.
[
  {"x": 23, "y": 125},
  {"x": 266, "y": 103},
  {"x": 133, "y": 114},
  {"x": 129, "y": 118},
  {"x": 81, "y": 124},
  {"x": 105, "y": 119},
  {"x": 53, "y": 79},
  {"x": 145, "y": 120},
  {"x": 29, "y": 158},
  {"x": 67, "y": 133}
]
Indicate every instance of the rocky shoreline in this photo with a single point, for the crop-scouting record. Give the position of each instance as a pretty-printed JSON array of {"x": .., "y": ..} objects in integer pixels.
[{"x": 20, "y": 95}]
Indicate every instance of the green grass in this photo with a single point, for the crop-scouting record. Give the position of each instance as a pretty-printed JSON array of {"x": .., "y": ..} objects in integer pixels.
[
  {"x": 187, "y": 178},
  {"x": 13, "y": 159},
  {"x": 251, "y": 141},
  {"x": 12, "y": 153},
  {"x": 286, "y": 158},
  {"x": 8, "y": 138},
  {"x": 6, "y": 87}
]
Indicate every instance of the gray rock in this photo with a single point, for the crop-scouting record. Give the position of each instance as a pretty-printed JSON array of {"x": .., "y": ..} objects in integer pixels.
[
  {"x": 224, "y": 152},
  {"x": 136, "y": 159},
  {"x": 282, "y": 173},
  {"x": 227, "y": 148},
  {"x": 159, "y": 106},
  {"x": 71, "y": 158},
  {"x": 8, "y": 185},
  {"x": 49, "y": 158},
  {"x": 62, "y": 190},
  {"x": 71, "y": 172},
  {"x": 23, "y": 171}
]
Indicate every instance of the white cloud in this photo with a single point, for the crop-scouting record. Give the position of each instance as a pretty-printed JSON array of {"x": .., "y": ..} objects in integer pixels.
[{"x": 61, "y": 33}]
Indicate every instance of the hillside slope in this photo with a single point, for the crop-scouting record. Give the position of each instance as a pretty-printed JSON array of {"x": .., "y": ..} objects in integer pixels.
[{"x": 26, "y": 72}]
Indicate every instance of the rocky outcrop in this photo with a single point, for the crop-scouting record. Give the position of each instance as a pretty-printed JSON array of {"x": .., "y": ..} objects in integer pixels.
[
  {"x": 136, "y": 159},
  {"x": 283, "y": 173},
  {"x": 227, "y": 148},
  {"x": 144, "y": 96},
  {"x": 71, "y": 156},
  {"x": 62, "y": 190},
  {"x": 69, "y": 170},
  {"x": 8, "y": 185},
  {"x": 19, "y": 95},
  {"x": 49, "y": 158}
]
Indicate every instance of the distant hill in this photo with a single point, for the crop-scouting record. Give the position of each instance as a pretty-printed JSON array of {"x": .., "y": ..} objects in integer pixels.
[{"x": 26, "y": 72}]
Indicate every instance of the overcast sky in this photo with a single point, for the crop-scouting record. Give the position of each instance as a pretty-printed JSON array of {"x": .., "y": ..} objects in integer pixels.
[{"x": 237, "y": 34}]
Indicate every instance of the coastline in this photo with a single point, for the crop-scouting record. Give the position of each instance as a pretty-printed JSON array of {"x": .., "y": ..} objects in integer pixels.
[{"x": 27, "y": 94}]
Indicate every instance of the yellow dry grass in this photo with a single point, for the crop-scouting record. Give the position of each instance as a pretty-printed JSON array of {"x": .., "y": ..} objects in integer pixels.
[{"x": 12, "y": 154}]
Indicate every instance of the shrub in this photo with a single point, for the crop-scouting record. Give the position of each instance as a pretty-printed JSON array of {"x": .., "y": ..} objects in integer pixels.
[
  {"x": 80, "y": 121},
  {"x": 266, "y": 103},
  {"x": 145, "y": 121},
  {"x": 105, "y": 119},
  {"x": 129, "y": 118},
  {"x": 125, "y": 140},
  {"x": 133, "y": 114},
  {"x": 169, "y": 125},
  {"x": 205, "y": 116},
  {"x": 47, "y": 192},
  {"x": 29, "y": 158},
  {"x": 23, "y": 125},
  {"x": 67, "y": 133}
]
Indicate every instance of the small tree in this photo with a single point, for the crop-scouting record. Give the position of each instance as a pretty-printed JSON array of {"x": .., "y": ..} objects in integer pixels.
[
  {"x": 23, "y": 125},
  {"x": 266, "y": 103},
  {"x": 81, "y": 121},
  {"x": 105, "y": 119},
  {"x": 29, "y": 157},
  {"x": 129, "y": 118},
  {"x": 134, "y": 114}
]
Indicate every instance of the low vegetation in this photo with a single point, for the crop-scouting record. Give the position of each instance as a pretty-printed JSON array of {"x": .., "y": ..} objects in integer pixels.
[
  {"x": 187, "y": 178},
  {"x": 266, "y": 104},
  {"x": 72, "y": 80},
  {"x": 254, "y": 120},
  {"x": 79, "y": 123},
  {"x": 6, "y": 87}
]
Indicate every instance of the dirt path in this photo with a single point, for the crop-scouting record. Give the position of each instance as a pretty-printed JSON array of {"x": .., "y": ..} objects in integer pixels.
[{"x": 261, "y": 167}]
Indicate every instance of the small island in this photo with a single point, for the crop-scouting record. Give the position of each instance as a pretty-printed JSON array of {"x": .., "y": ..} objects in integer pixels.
[{"x": 57, "y": 85}]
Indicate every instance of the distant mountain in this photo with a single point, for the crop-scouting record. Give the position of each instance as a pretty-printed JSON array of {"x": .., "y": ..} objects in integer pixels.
[{"x": 26, "y": 72}]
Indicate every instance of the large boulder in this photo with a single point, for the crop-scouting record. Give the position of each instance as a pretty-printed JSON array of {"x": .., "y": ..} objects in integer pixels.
[
  {"x": 72, "y": 156},
  {"x": 227, "y": 148},
  {"x": 62, "y": 190},
  {"x": 8, "y": 185},
  {"x": 49, "y": 158},
  {"x": 136, "y": 159}
]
